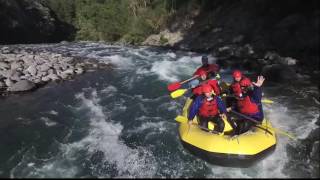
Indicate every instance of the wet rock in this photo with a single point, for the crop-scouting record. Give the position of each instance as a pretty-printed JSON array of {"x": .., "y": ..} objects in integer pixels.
[
  {"x": 318, "y": 121},
  {"x": 78, "y": 70},
  {"x": 2, "y": 84},
  {"x": 238, "y": 39},
  {"x": 164, "y": 38},
  {"x": 288, "y": 61},
  {"x": 225, "y": 51},
  {"x": 5, "y": 50},
  {"x": 22, "y": 68},
  {"x": 315, "y": 153},
  {"x": 44, "y": 67},
  {"x": 279, "y": 73},
  {"x": 8, "y": 82},
  {"x": 15, "y": 75},
  {"x": 16, "y": 65},
  {"x": 272, "y": 57},
  {"x": 53, "y": 77},
  {"x": 32, "y": 70},
  {"x": 23, "y": 85},
  {"x": 4, "y": 66},
  {"x": 45, "y": 79}
]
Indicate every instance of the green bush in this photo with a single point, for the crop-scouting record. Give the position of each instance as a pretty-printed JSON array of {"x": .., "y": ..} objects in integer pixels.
[{"x": 113, "y": 20}]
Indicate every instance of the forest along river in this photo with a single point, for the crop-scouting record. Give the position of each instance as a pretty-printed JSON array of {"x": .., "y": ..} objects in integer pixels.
[{"x": 120, "y": 122}]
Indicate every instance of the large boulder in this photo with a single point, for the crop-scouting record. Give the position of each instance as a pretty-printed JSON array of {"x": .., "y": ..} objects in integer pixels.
[
  {"x": 27, "y": 21},
  {"x": 23, "y": 85},
  {"x": 279, "y": 73}
]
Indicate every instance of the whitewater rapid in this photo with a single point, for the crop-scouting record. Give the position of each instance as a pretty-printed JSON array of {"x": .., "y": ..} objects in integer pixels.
[{"x": 120, "y": 122}]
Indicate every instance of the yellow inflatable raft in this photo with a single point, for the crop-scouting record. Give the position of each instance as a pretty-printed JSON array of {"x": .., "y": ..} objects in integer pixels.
[{"x": 241, "y": 150}]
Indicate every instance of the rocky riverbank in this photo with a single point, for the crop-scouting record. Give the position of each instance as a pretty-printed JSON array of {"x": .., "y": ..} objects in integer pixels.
[
  {"x": 277, "y": 39},
  {"x": 24, "y": 68}
]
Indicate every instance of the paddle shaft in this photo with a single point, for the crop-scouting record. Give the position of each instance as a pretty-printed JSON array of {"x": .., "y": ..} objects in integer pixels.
[
  {"x": 247, "y": 117},
  {"x": 259, "y": 123},
  {"x": 194, "y": 77}
]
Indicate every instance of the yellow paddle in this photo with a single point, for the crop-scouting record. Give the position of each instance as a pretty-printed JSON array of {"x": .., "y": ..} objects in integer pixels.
[{"x": 178, "y": 93}]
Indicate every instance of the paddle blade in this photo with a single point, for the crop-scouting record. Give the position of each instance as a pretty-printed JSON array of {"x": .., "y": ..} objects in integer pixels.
[
  {"x": 267, "y": 101},
  {"x": 181, "y": 119},
  {"x": 174, "y": 86},
  {"x": 178, "y": 93}
]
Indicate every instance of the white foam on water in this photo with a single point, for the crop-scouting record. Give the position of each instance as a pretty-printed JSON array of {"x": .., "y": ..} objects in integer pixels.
[
  {"x": 292, "y": 121},
  {"x": 109, "y": 90},
  {"x": 48, "y": 121},
  {"x": 53, "y": 112},
  {"x": 172, "y": 70},
  {"x": 60, "y": 166},
  {"x": 118, "y": 60},
  {"x": 105, "y": 136},
  {"x": 171, "y": 54},
  {"x": 155, "y": 126}
]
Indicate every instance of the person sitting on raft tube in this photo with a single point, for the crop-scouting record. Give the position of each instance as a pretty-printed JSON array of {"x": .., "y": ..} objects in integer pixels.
[
  {"x": 248, "y": 96},
  {"x": 212, "y": 69},
  {"x": 208, "y": 107},
  {"x": 197, "y": 90}
]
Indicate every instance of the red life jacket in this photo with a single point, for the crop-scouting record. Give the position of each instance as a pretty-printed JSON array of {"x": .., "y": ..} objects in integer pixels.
[
  {"x": 214, "y": 84},
  {"x": 197, "y": 90},
  {"x": 209, "y": 108},
  {"x": 236, "y": 89},
  {"x": 245, "y": 106}
]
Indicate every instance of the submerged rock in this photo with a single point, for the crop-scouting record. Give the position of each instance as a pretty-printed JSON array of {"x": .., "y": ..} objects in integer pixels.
[{"x": 279, "y": 73}]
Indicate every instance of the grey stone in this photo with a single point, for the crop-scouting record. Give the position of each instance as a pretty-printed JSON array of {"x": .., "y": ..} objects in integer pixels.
[
  {"x": 4, "y": 66},
  {"x": 8, "y": 82},
  {"x": 23, "y": 85},
  {"x": 2, "y": 84},
  {"x": 16, "y": 65},
  {"x": 15, "y": 75},
  {"x": 53, "y": 77},
  {"x": 315, "y": 153},
  {"x": 44, "y": 67},
  {"x": 32, "y": 70},
  {"x": 45, "y": 78},
  {"x": 279, "y": 73},
  {"x": 79, "y": 70},
  {"x": 288, "y": 61}
]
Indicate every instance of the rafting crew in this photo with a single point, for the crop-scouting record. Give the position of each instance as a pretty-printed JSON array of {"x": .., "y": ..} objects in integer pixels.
[
  {"x": 209, "y": 107},
  {"x": 247, "y": 100}
]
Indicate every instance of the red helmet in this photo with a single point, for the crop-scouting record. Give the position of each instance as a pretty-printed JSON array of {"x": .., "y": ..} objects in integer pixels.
[
  {"x": 206, "y": 88},
  {"x": 202, "y": 72},
  {"x": 237, "y": 74},
  {"x": 245, "y": 82}
]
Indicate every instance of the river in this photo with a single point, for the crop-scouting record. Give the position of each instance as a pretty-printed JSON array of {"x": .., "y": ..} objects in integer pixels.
[{"x": 120, "y": 122}]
